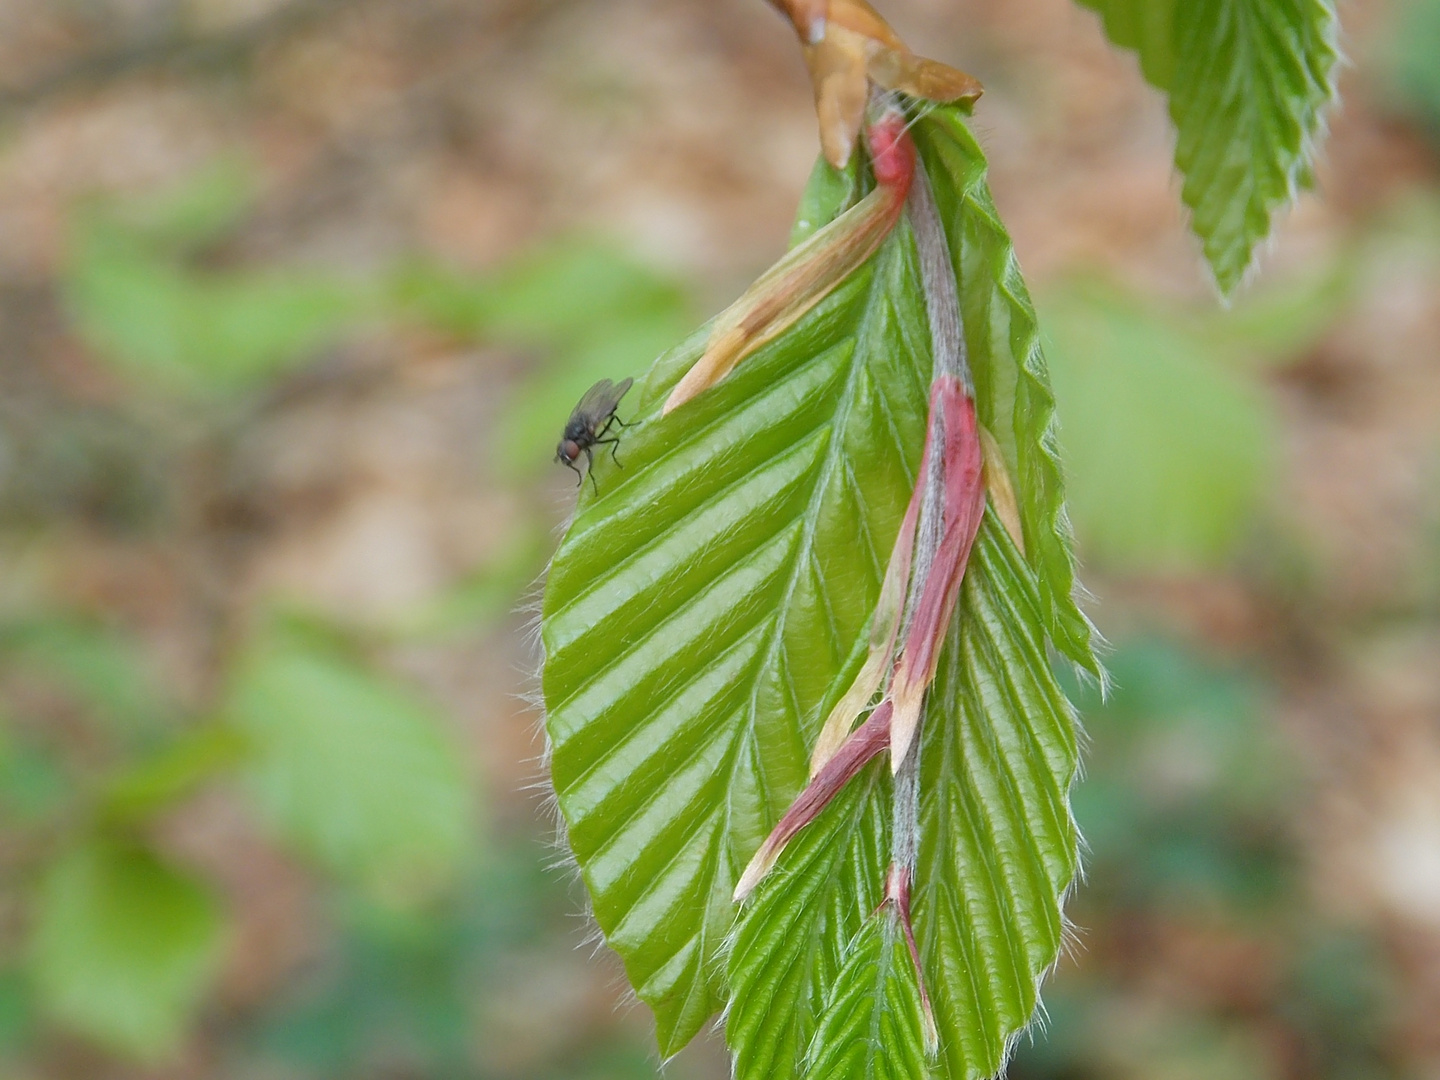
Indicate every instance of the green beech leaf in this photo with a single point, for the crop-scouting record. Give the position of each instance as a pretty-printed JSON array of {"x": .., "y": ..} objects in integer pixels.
[
  {"x": 698, "y": 613},
  {"x": 1012, "y": 384},
  {"x": 709, "y": 606},
  {"x": 873, "y": 1026},
  {"x": 1247, "y": 81},
  {"x": 123, "y": 947},
  {"x": 1148, "y": 27}
]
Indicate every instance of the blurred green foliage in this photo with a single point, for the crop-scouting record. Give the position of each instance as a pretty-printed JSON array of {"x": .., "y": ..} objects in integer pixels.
[
  {"x": 212, "y": 333},
  {"x": 123, "y": 945},
  {"x": 433, "y": 909},
  {"x": 580, "y": 310},
  {"x": 1184, "y": 804},
  {"x": 433, "y": 992},
  {"x": 140, "y": 297},
  {"x": 342, "y": 761},
  {"x": 1414, "y": 75},
  {"x": 1166, "y": 450},
  {"x": 32, "y": 786},
  {"x": 400, "y": 988},
  {"x": 100, "y": 668},
  {"x": 1167, "y": 430},
  {"x": 1194, "y": 872},
  {"x": 171, "y": 771},
  {"x": 350, "y": 768},
  {"x": 141, "y": 292}
]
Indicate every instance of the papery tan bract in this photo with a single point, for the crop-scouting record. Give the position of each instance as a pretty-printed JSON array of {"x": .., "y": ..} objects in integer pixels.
[
  {"x": 811, "y": 271},
  {"x": 808, "y": 16},
  {"x": 847, "y": 47},
  {"x": 1001, "y": 488},
  {"x": 842, "y": 86}
]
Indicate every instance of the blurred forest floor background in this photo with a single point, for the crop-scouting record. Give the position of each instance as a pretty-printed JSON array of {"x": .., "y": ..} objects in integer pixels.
[{"x": 295, "y": 296}]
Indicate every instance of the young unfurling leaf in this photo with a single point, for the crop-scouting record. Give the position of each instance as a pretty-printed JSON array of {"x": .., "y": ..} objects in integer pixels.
[
  {"x": 857, "y": 751},
  {"x": 884, "y": 629}
]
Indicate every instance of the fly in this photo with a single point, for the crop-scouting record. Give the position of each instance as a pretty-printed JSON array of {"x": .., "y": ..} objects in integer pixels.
[{"x": 590, "y": 426}]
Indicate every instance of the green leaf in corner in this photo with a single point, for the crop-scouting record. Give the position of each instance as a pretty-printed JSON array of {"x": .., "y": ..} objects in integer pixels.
[
  {"x": 873, "y": 1024},
  {"x": 351, "y": 768},
  {"x": 1012, "y": 383},
  {"x": 1248, "y": 81},
  {"x": 1148, "y": 27},
  {"x": 123, "y": 947}
]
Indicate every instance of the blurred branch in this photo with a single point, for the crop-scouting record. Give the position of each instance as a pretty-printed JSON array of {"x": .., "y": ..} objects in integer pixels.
[
  {"x": 176, "y": 47},
  {"x": 173, "y": 47}
]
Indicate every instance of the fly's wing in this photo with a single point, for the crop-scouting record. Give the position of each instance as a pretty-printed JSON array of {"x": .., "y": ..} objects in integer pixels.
[{"x": 600, "y": 401}]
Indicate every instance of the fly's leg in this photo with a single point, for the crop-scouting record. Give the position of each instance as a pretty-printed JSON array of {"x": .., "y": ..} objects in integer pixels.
[
  {"x": 590, "y": 470},
  {"x": 605, "y": 427},
  {"x": 612, "y": 443},
  {"x": 579, "y": 477}
]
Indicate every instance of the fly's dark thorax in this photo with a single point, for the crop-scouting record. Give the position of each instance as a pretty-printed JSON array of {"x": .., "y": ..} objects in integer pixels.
[{"x": 579, "y": 430}]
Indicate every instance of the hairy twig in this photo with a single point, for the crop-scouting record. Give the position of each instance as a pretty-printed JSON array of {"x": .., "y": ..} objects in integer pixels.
[{"x": 942, "y": 304}]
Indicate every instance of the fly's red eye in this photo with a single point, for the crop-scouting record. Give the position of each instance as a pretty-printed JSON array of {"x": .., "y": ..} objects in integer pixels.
[{"x": 571, "y": 449}]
